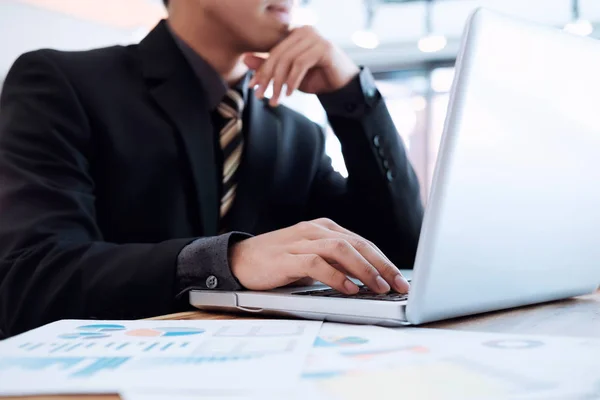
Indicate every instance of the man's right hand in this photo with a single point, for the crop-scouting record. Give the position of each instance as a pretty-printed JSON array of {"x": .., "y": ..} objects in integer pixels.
[{"x": 321, "y": 250}]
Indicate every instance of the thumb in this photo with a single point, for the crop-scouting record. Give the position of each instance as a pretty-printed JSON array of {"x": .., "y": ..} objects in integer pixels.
[{"x": 254, "y": 61}]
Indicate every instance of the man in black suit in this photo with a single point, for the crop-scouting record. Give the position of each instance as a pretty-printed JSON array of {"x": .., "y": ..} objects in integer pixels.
[{"x": 129, "y": 175}]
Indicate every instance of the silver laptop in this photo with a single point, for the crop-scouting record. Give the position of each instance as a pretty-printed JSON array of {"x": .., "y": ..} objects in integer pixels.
[{"x": 514, "y": 213}]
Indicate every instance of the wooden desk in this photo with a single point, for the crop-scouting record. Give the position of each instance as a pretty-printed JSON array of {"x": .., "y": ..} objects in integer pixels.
[{"x": 574, "y": 317}]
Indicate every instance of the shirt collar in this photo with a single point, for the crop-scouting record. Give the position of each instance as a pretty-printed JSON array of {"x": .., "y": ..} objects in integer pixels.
[{"x": 211, "y": 81}]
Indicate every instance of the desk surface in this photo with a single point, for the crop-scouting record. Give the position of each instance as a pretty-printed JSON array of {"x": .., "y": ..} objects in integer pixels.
[{"x": 573, "y": 317}]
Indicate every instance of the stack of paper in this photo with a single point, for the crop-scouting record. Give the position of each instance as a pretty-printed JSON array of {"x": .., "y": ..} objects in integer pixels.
[
  {"x": 246, "y": 360},
  {"x": 368, "y": 362},
  {"x": 107, "y": 356}
]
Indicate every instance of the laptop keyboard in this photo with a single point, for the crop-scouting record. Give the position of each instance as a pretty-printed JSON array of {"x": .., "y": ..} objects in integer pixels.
[{"x": 364, "y": 293}]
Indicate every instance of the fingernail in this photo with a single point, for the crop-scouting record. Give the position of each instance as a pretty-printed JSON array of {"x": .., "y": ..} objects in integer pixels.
[
  {"x": 401, "y": 284},
  {"x": 382, "y": 284},
  {"x": 350, "y": 287}
]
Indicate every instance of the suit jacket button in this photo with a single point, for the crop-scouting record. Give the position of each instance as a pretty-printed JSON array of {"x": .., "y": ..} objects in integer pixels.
[
  {"x": 212, "y": 282},
  {"x": 376, "y": 141},
  {"x": 389, "y": 176},
  {"x": 386, "y": 164}
]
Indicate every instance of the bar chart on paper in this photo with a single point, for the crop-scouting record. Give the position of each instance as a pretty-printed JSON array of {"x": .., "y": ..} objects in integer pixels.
[
  {"x": 100, "y": 331},
  {"x": 115, "y": 340},
  {"x": 75, "y": 356},
  {"x": 73, "y": 367},
  {"x": 112, "y": 347}
]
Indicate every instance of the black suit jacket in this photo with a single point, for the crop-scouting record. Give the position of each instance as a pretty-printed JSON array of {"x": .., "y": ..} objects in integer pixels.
[{"x": 107, "y": 171}]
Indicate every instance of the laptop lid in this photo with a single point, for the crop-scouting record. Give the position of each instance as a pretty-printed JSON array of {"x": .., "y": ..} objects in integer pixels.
[{"x": 514, "y": 211}]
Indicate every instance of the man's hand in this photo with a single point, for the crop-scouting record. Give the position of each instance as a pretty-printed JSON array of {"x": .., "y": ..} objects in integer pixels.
[
  {"x": 304, "y": 61},
  {"x": 321, "y": 250}
]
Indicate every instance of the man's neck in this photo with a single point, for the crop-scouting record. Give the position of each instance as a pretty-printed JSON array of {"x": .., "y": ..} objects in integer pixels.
[{"x": 218, "y": 53}]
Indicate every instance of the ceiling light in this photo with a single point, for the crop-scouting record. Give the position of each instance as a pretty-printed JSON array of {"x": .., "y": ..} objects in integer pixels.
[
  {"x": 366, "y": 39},
  {"x": 580, "y": 27},
  {"x": 432, "y": 43}
]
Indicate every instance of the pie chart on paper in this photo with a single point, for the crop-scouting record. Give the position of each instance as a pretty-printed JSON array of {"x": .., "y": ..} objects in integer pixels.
[
  {"x": 165, "y": 332},
  {"x": 101, "y": 328},
  {"x": 102, "y": 331},
  {"x": 95, "y": 331}
]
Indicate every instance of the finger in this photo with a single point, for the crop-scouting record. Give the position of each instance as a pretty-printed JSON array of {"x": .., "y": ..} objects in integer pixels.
[
  {"x": 254, "y": 61},
  {"x": 371, "y": 253},
  {"x": 295, "y": 79},
  {"x": 346, "y": 256},
  {"x": 313, "y": 266},
  {"x": 331, "y": 225},
  {"x": 265, "y": 73},
  {"x": 282, "y": 69},
  {"x": 339, "y": 267},
  {"x": 388, "y": 271},
  {"x": 302, "y": 64}
]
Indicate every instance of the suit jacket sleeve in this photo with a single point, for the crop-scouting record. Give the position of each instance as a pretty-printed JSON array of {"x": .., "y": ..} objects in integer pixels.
[
  {"x": 54, "y": 261},
  {"x": 380, "y": 199}
]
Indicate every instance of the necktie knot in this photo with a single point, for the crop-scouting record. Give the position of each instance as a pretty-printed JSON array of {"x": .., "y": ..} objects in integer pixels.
[{"x": 232, "y": 105}]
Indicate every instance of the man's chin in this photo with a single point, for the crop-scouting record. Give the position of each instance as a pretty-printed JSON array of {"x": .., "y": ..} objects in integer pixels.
[{"x": 267, "y": 44}]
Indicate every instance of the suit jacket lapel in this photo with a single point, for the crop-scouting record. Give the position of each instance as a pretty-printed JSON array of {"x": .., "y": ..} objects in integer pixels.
[
  {"x": 258, "y": 164},
  {"x": 180, "y": 95}
]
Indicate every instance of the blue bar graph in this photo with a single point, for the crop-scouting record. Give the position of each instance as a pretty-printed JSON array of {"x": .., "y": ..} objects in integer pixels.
[
  {"x": 73, "y": 347},
  {"x": 99, "y": 365},
  {"x": 70, "y": 364},
  {"x": 166, "y": 361},
  {"x": 56, "y": 349},
  {"x": 76, "y": 346},
  {"x": 153, "y": 345},
  {"x": 39, "y": 363}
]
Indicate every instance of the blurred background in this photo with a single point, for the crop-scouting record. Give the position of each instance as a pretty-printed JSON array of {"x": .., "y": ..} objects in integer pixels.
[{"x": 410, "y": 45}]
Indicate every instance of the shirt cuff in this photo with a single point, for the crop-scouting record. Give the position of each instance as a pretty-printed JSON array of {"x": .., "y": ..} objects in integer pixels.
[
  {"x": 353, "y": 100},
  {"x": 204, "y": 264}
]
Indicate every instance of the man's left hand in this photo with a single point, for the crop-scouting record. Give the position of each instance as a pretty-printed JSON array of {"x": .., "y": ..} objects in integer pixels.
[{"x": 304, "y": 61}]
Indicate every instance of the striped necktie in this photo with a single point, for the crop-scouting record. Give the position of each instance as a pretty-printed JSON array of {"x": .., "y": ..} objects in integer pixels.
[{"x": 232, "y": 144}]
